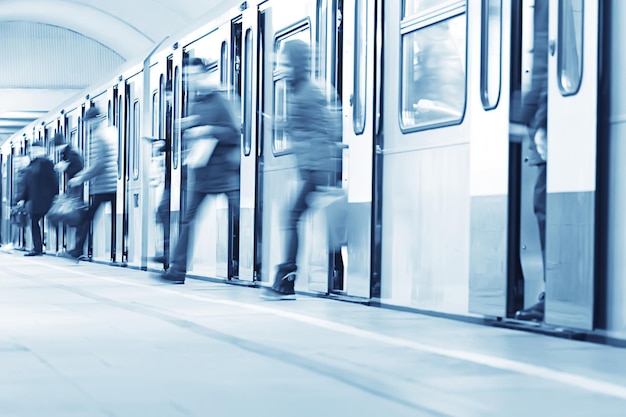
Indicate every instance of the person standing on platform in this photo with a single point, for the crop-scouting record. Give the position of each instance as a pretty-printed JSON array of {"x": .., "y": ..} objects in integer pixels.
[
  {"x": 40, "y": 186},
  {"x": 535, "y": 117}
]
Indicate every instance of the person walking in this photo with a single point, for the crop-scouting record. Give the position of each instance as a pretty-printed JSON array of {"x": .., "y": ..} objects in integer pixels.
[
  {"x": 313, "y": 128},
  {"x": 101, "y": 173},
  {"x": 40, "y": 187},
  {"x": 213, "y": 160}
]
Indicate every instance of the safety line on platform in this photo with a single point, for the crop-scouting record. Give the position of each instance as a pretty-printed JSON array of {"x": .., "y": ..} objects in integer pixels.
[{"x": 586, "y": 383}]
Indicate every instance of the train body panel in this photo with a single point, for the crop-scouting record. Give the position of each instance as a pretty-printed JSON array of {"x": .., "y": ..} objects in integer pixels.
[{"x": 435, "y": 159}]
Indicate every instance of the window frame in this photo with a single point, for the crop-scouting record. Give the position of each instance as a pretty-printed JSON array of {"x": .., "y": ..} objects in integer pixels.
[
  {"x": 414, "y": 24},
  {"x": 485, "y": 59},
  {"x": 359, "y": 88},
  {"x": 564, "y": 46},
  {"x": 248, "y": 70}
]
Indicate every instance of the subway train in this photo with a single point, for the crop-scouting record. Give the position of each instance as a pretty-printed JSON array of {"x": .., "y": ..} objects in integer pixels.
[{"x": 440, "y": 194}]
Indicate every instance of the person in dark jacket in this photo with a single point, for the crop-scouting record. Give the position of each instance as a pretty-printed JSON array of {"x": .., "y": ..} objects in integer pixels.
[
  {"x": 18, "y": 216},
  {"x": 101, "y": 173},
  {"x": 313, "y": 128},
  {"x": 535, "y": 117},
  {"x": 213, "y": 160},
  {"x": 40, "y": 187},
  {"x": 71, "y": 162}
]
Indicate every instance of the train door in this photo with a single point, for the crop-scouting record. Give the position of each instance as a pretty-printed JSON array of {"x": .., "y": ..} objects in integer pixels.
[
  {"x": 490, "y": 155},
  {"x": 177, "y": 169},
  {"x": 425, "y": 158},
  {"x": 251, "y": 34},
  {"x": 571, "y": 173},
  {"x": 72, "y": 136},
  {"x": 5, "y": 195},
  {"x": 50, "y": 231},
  {"x": 134, "y": 199},
  {"x": 156, "y": 209},
  {"x": 278, "y": 174},
  {"x": 359, "y": 114},
  {"x": 102, "y": 239},
  {"x": 212, "y": 236}
]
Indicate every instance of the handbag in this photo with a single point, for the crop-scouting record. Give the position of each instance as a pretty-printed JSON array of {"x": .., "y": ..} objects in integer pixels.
[
  {"x": 19, "y": 216},
  {"x": 67, "y": 208},
  {"x": 200, "y": 152},
  {"x": 333, "y": 203}
]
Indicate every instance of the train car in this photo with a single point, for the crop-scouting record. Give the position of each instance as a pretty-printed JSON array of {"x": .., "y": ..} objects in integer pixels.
[{"x": 435, "y": 160}]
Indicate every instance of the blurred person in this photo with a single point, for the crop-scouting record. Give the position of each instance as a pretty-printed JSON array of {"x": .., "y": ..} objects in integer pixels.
[
  {"x": 159, "y": 169},
  {"x": 71, "y": 162},
  {"x": 40, "y": 186},
  {"x": 18, "y": 215},
  {"x": 313, "y": 127},
  {"x": 101, "y": 174},
  {"x": 534, "y": 116},
  {"x": 213, "y": 140}
]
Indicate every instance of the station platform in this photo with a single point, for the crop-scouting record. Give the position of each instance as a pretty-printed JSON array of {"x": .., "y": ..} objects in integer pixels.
[{"x": 95, "y": 340}]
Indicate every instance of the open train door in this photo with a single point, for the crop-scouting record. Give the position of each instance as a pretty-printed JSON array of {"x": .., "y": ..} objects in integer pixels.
[
  {"x": 245, "y": 265},
  {"x": 571, "y": 172}
]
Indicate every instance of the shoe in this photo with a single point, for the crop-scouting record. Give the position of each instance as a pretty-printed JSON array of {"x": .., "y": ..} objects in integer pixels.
[
  {"x": 160, "y": 259},
  {"x": 171, "y": 277},
  {"x": 8, "y": 248},
  {"x": 534, "y": 312},
  {"x": 68, "y": 255},
  {"x": 33, "y": 253},
  {"x": 272, "y": 294},
  {"x": 285, "y": 279}
]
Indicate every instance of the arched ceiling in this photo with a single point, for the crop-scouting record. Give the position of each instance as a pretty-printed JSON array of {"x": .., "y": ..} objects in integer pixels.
[{"x": 51, "y": 49}]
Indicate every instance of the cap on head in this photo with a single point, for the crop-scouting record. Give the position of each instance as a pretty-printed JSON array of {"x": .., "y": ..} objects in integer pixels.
[{"x": 92, "y": 113}]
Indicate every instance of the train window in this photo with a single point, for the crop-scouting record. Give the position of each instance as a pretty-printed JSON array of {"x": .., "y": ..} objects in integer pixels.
[
  {"x": 120, "y": 145},
  {"x": 570, "y": 50},
  {"x": 280, "y": 143},
  {"x": 491, "y": 53},
  {"x": 74, "y": 138},
  {"x": 360, "y": 68},
  {"x": 223, "y": 64},
  {"x": 176, "y": 136},
  {"x": 135, "y": 139},
  {"x": 321, "y": 37},
  {"x": 156, "y": 111},
  {"x": 413, "y": 7},
  {"x": 433, "y": 87},
  {"x": 247, "y": 93}
]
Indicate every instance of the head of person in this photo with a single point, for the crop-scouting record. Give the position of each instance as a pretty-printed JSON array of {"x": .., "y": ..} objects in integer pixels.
[
  {"x": 91, "y": 116},
  {"x": 37, "y": 150},
  {"x": 59, "y": 142},
  {"x": 295, "y": 60},
  {"x": 195, "y": 74}
]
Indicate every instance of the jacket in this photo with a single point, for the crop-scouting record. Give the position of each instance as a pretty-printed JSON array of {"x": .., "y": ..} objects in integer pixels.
[
  {"x": 40, "y": 186},
  {"x": 102, "y": 169},
  {"x": 75, "y": 161},
  {"x": 313, "y": 123},
  {"x": 221, "y": 173}
]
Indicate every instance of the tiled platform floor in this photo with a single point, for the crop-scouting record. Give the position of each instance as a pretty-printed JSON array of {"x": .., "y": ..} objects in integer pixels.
[{"x": 94, "y": 340}]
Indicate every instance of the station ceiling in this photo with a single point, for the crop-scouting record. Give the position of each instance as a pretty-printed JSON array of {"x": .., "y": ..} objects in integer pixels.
[{"x": 52, "y": 49}]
